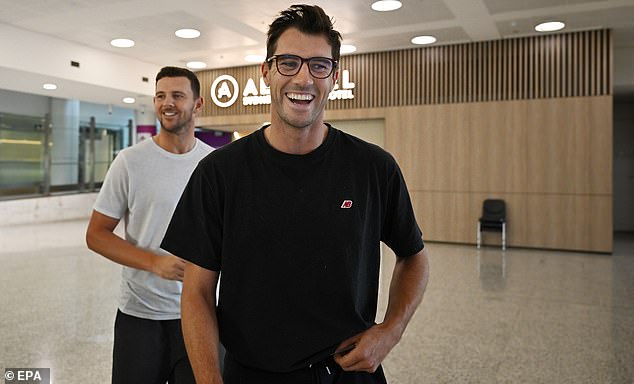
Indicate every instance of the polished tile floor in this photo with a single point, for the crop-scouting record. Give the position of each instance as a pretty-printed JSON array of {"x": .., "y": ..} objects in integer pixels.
[{"x": 520, "y": 316}]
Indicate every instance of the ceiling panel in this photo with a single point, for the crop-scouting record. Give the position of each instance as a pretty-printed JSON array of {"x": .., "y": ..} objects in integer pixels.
[
  {"x": 231, "y": 29},
  {"x": 503, "y": 6},
  {"x": 355, "y": 16},
  {"x": 235, "y": 28},
  {"x": 619, "y": 19},
  {"x": 402, "y": 41}
]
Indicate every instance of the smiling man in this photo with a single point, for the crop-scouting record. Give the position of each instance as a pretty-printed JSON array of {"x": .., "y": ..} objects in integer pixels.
[
  {"x": 142, "y": 187},
  {"x": 292, "y": 216}
]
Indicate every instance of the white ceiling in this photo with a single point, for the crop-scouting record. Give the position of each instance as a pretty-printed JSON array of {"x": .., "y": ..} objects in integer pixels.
[{"x": 39, "y": 38}]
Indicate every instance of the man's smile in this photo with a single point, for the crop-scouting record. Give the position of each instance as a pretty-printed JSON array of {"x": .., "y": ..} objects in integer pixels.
[{"x": 300, "y": 98}]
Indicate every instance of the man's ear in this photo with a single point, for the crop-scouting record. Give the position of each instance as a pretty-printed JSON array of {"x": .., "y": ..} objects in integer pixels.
[
  {"x": 265, "y": 73},
  {"x": 198, "y": 104}
]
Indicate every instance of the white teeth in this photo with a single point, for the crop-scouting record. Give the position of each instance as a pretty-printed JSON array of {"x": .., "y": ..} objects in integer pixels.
[
  {"x": 169, "y": 113},
  {"x": 300, "y": 96}
]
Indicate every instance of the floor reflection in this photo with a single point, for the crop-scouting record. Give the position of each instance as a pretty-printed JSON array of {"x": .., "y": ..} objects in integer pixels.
[
  {"x": 491, "y": 269},
  {"x": 489, "y": 316}
]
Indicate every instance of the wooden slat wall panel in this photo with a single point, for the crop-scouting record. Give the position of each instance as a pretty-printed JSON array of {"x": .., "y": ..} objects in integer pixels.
[
  {"x": 537, "y": 67},
  {"x": 549, "y": 66}
]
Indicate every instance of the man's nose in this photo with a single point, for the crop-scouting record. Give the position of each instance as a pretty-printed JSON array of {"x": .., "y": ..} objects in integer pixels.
[{"x": 304, "y": 74}]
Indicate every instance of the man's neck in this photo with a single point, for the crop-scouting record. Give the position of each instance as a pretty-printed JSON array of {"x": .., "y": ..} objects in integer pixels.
[
  {"x": 296, "y": 141},
  {"x": 175, "y": 143}
]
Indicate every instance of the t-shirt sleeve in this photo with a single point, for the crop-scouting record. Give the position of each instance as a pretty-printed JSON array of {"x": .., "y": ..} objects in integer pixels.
[
  {"x": 112, "y": 199},
  {"x": 194, "y": 232},
  {"x": 400, "y": 230}
]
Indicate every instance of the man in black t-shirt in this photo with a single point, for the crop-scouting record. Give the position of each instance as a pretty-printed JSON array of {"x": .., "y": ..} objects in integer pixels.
[{"x": 293, "y": 216}]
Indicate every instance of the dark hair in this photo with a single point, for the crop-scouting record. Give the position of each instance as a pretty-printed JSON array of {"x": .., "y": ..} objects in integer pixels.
[
  {"x": 181, "y": 72},
  {"x": 309, "y": 19}
]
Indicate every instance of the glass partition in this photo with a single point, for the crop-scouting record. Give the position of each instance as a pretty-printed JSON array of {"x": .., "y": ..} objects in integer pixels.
[
  {"x": 38, "y": 158},
  {"x": 99, "y": 144},
  {"x": 22, "y": 160}
]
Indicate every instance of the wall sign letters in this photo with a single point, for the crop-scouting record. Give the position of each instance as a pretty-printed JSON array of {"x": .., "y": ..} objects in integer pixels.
[{"x": 225, "y": 91}]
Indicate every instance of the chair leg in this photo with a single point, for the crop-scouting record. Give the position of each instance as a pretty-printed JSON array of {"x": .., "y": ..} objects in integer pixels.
[
  {"x": 503, "y": 236},
  {"x": 478, "y": 235}
]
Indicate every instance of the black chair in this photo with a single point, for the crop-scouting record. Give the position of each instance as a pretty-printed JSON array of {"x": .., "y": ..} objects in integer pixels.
[{"x": 493, "y": 219}]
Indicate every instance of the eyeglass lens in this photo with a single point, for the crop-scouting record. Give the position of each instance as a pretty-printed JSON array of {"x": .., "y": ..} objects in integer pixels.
[{"x": 289, "y": 65}]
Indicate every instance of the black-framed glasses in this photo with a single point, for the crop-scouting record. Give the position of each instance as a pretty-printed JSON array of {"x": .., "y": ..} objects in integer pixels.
[{"x": 289, "y": 65}]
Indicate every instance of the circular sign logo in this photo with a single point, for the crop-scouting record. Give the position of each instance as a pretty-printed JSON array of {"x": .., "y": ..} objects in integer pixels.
[{"x": 220, "y": 90}]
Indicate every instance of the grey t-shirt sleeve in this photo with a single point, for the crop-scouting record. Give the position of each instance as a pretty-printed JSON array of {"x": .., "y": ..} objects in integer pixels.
[{"x": 112, "y": 199}]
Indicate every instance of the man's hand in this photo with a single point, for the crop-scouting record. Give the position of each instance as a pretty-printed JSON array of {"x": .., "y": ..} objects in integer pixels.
[
  {"x": 409, "y": 280},
  {"x": 169, "y": 267},
  {"x": 371, "y": 348}
]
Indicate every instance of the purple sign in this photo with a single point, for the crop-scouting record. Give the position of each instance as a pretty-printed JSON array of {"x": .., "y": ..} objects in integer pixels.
[
  {"x": 215, "y": 139},
  {"x": 145, "y": 132}
]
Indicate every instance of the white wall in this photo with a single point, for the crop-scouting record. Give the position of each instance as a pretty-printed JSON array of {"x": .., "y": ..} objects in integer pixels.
[
  {"x": 23, "y": 103},
  {"x": 47, "y": 59},
  {"x": 46, "y": 209},
  {"x": 110, "y": 115}
]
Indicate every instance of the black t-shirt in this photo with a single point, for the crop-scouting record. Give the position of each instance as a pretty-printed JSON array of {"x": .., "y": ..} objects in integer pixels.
[{"x": 296, "y": 238}]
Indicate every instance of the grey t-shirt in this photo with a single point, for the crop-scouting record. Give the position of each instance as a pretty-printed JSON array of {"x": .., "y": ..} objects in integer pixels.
[{"x": 142, "y": 187}]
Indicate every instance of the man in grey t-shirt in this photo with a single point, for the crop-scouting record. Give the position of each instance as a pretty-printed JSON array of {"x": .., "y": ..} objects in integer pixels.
[{"x": 142, "y": 187}]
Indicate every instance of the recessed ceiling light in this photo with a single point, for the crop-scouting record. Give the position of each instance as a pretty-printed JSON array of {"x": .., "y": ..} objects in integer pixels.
[
  {"x": 49, "y": 86},
  {"x": 122, "y": 43},
  {"x": 423, "y": 40},
  {"x": 254, "y": 58},
  {"x": 347, "y": 48},
  {"x": 386, "y": 5},
  {"x": 128, "y": 100},
  {"x": 187, "y": 33},
  {"x": 550, "y": 26},
  {"x": 196, "y": 64}
]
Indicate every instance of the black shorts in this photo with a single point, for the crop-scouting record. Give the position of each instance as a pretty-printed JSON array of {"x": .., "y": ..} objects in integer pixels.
[
  {"x": 149, "y": 352},
  {"x": 326, "y": 372}
]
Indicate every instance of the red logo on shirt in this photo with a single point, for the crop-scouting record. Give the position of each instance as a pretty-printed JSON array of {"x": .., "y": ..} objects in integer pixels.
[{"x": 346, "y": 204}]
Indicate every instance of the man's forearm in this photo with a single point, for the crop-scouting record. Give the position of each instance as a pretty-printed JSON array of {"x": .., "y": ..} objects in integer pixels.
[
  {"x": 100, "y": 238},
  {"x": 120, "y": 251},
  {"x": 407, "y": 287},
  {"x": 200, "y": 328}
]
